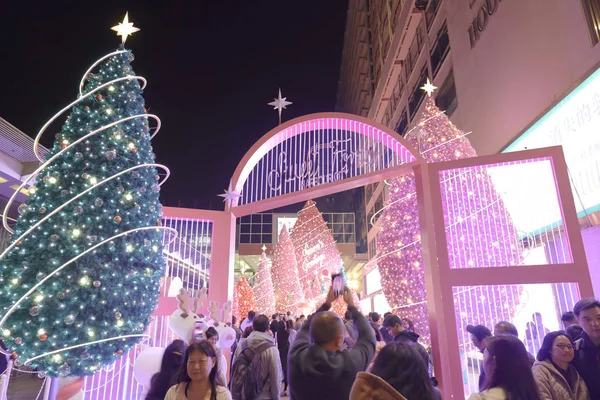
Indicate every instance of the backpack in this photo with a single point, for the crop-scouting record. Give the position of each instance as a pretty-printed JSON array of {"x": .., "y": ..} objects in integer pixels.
[{"x": 244, "y": 383}]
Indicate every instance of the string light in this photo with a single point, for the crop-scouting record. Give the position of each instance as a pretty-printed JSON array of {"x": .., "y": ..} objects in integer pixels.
[
  {"x": 263, "y": 287},
  {"x": 467, "y": 195},
  {"x": 243, "y": 298},
  {"x": 288, "y": 291}
]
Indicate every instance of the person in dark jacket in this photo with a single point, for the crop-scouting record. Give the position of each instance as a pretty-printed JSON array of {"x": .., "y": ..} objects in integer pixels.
[
  {"x": 395, "y": 327},
  {"x": 587, "y": 356},
  {"x": 479, "y": 335},
  {"x": 318, "y": 367},
  {"x": 385, "y": 335}
]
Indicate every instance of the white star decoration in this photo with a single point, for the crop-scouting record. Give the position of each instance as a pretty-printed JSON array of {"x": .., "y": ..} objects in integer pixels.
[
  {"x": 125, "y": 28},
  {"x": 280, "y": 103},
  {"x": 229, "y": 196},
  {"x": 264, "y": 248},
  {"x": 428, "y": 88}
]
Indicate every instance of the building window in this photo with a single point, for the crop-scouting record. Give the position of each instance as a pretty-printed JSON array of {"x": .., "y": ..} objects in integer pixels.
[
  {"x": 256, "y": 229},
  {"x": 403, "y": 124},
  {"x": 341, "y": 226},
  {"x": 446, "y": 98},
  {"x": 373, "y": 248},
  {"x": 591, "y": 9},
  {"x": 441, "y": 49},
  {"x": 431, "y": 12},
  {"x": 418, "y": 94}
]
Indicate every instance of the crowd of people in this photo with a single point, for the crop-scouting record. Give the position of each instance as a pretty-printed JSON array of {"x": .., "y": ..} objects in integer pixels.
[{"x": 365, "y": 357}]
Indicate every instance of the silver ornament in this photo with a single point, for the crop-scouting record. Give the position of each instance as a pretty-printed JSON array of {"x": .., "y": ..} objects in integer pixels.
[
  {"x": 85, "y": 175},
  {"x": 131, "y": 96},
  {"x": 96, "y": 284},
  {"x": 78, "y": 210},
  {"x": 98, "y": 202},
  {"x": 64, "y": 192},
  {"x": 61, "y": 295},
  {"x": 84, "y": 355},
  {"x": 34, "y": 311},
  {"x": 79, "y": 155},
  {"x": 120, "y": 189},
  {"x": 135, "y": 174},
  {"x": 22, "y": 209},
  {"x": 40, "y": 276},
  {"x": 110, "y": 155},
  {"x": 18, "y": 340},
  {"x": 54, "y": 237},
  {"x": 142, "y": 190},
  {"x": 41, "y": 375},
  {"x": 130, "y": 57},
  {"x": 118, "y": 315},
  {"x": 155, "y": 188},
  {"x": 64, "y": 370},
  {"x": 42, "y": 210},
  {"x": 69, "y": 319}
]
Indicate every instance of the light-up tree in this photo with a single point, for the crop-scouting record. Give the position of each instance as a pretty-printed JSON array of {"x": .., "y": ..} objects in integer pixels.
[
  {"x": 81, "y": 278},
  {"x": 263, "y": 287},
  {"x": 288, "y": 292},
  {"x": 243, "y": 298},
  {"x": 316, "y": 252},
  {"x": 480, "y": 232}
]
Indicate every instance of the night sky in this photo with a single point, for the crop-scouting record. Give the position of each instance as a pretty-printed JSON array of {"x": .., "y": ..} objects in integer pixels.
[{"x": 211, "y": 68}]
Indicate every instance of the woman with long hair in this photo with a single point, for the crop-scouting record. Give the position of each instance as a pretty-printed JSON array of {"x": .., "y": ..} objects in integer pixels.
[
  {"x": 169, "y": 367},
  {"x": 556, "y": 378},
  {"x": 197, "y": 379},
  {"x": 213, "y": 338},
  {"x": 507, "y": 370},
  {"x": 398, "y": 373}
]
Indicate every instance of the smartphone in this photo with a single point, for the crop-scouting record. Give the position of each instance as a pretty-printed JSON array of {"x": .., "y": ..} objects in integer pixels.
[
  {"x": 337, "y": 282},
  {"x": 198, "y": 333}
]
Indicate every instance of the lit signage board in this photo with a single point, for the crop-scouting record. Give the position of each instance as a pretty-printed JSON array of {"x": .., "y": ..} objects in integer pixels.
[
  {"x": 289, "y": 222},
  {"x": 373, "y": 281},
  {"x": 573, "y": 123}
]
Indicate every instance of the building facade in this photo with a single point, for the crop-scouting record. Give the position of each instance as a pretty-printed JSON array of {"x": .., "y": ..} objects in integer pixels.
[{"x": 503, "y": 69}]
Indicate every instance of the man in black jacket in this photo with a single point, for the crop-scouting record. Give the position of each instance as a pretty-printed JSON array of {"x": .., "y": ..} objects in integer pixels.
[
  {"x": 587, "y": 357},
  {"x": 318, "y": 367}
]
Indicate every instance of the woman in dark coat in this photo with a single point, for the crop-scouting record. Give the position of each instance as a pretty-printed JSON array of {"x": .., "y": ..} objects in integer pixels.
[{"x": 283, "y": 345}]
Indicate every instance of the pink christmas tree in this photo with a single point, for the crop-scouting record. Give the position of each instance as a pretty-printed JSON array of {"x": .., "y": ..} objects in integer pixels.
[
  {"x": 263, "y": 287},
  {"x": 316, "y": 252},
  {"x": 288, "y": 292},
  {"x": 479, "y": 231},
  {"x": 243, "y": 298}
]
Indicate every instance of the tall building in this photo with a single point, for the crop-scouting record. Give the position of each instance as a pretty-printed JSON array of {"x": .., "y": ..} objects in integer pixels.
[{"x": 517, "y": 74}]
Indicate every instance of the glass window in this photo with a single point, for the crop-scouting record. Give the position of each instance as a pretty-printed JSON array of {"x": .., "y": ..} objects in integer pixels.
[
  {"x": 256, "y": 239},
  {"x": 349, "y": 217},
  {"x": 441, "y": 49},
  {"x": 245, "y": 219},
  {"x": 403, "y": 124},
  {"x": 244, "y": 238},
  {"x": 337, "y": 218},
  {"x": 267, "y": 239},
  {"x": 418, "y": 94},
  {"x": 255, "y": 228},
  {"x": 348, "y": 228},
  {"x": 256, "y": 218},
  {"x": 349, "y": 238},
  {"x": 267, "y": 218},
  {"x": 338, "y": 228},
  {"x": 338, "y": 237},
  {"x": 267, "y": 228},
  {"x": 245, "y": 228},
  {"x": 446, "y": 99},
  {"x": 591, "y": 10}
]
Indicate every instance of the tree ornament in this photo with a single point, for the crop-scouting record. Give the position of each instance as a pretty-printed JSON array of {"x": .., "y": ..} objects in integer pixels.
[
  {"x": 96, "y": 284},
  {"x": 117, "y": 219},
  {"x": 43, "y": 337},
  {"x": 18, "y": 340},
  {"x": 98, "y": 202},
  {"x": 42, "y": 210},
  {"x": 99, "y": 96},
  {"x": 110, "y": 155},
  {"x": 69, "y": 319},
  {"x": 85, "y": 175},
  {"x": 54, "y": 237},
  {"x": 118, "y": 315},
  {"x": 14, "y": 356},
  {"x": 78, "y": 210},
  {"x": 40, "y": 276},
  {"x": 86, "y": 108},
  {"x": 119, "y": 352},
  {"x": 22, "y": 209},
  {"x": 64, "y": 370}
]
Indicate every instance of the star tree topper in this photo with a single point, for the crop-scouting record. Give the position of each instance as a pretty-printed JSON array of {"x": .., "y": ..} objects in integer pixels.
[
  {"x": 229, "y": 196},
  {"x": 279, "y": 104},
  {"x": 428, "y": 88},
  {"x": 125, "y": 28}
]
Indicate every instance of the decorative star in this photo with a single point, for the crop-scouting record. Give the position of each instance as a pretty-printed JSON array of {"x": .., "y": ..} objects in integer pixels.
[
  {"x": 125, "y": 28},
  {"x": 264, "y": 248},
  {"x": 279, "y": 104},
  {"x": 229, "y": 196},
  {"x": 428, "y": 88}
]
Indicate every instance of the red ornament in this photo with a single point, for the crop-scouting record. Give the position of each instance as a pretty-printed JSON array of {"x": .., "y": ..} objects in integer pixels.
[
  {"x": 43, "y": 337},
  {"x": 133, "y": 150},
  {"x": 119, "y": 352},
  {"x": 14, "y": 355},
  {"x": 63, "y": 145},
  {"x": 20, "y": 242},
  {"x": 118, "y": 219},
  {"x": 159, "y": 223},
  {"x": 99, "y": 96}
]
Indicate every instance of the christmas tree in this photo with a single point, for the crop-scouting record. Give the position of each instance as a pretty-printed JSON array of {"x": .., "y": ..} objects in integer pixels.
[
  {"x": 263, "y": 287},
  {"x": 81, "y": 278},
  {"x": 316, "y": 252},
  {"x": 288, "y": 292},
  {"x": 243, "y": 298},
  {"x": 473, "y": 208}
]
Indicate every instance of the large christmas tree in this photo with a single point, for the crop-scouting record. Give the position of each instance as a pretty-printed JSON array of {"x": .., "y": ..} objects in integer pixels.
[
  {"x": 243, "y": 298},
  {"x": 263, "y": 287},
  {"x": 480, "y": 232},
  {"x": 76, "y": 290},
  {"x": 288, "y": 292},
  {"x": 316, "y": 252}
]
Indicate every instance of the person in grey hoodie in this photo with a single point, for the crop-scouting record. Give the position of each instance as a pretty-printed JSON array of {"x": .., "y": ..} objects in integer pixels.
[
  {"x": 318, "y": 367},
  {"x": 270, "y": 375}
]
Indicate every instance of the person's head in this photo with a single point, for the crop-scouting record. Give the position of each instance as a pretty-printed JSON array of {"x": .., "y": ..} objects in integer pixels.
[
  {"x": 247, "y": 332},
  {"x": 233, "y": 320},
  {"x": 401, "y": 365},
  {"x": 327, "y": 330},
  {"x": 170, "y": 365},
  {"x": 393, "y": 324},
  {"x": 386, "y": 314},
  {"x": 507, "y": 365},
  {"x": 505, "y": 328},
  {"x": 374, "y": 317},
  {"x": 289, "y": 313},
  {"x": 251, "y": 315},
  {"x": 537, "y": 318},
  {"x": 479, "y": 335},
  {"x": 200, "y": 364},
  {"x": 574, "y": 331},
  {"x": 568, "y": 319},
  {"x": 557, "y": 347},
  {"x": 275, "y": 317},
  {"x": 348, "y": 316},
  {"x": 212, "y": 336},
  {"x": 587, "y": 312},
  {"x": 301, "y": 318},
  {"x": 289, "y": 324},
  {"x": 408, "y": 325},
  {"x": 260, "y": 323}
]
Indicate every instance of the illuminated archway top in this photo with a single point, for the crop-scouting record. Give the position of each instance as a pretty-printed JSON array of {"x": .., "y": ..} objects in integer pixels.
[{"x": 314, "y": 150}]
